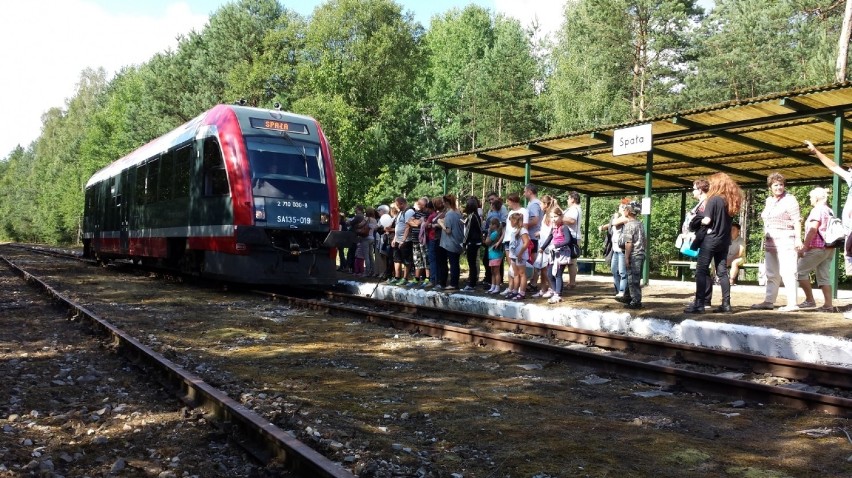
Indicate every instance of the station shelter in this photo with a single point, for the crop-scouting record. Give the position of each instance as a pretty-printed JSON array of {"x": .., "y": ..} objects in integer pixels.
[{"x": 747, "y": 139}]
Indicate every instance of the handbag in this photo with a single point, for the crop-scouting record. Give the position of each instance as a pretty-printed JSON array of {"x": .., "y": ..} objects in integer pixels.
[
  {"x": 686, "y": 246},
  {"x": 761, "y": 273}
]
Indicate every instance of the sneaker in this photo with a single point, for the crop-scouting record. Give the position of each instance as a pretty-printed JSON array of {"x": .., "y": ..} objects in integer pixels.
[
  {"x": 548, "y": 294},
  {"x": 788, "y": 308},
  {"x": 623, "y": 299},
  {"x": 494, "y": 290},
  {"x": 468, "y": 288},
  {"x": 427, "y": 284},
  {"x": 538, "y": 294},
  {"x": 507, "y": 291},
  {"x": 633, "y": 305},
  {"x": 763, "y": 306},
  {"x": 808, "y": 304},
  {"x": 449, "y": 287},
  {"x": 412, "y": 284},
  {"x": 554, "y": 300},
  {"x": 391, "y": 280},
  {"x": 437, "y": 287},
  {"x": 619, "y": 295}
]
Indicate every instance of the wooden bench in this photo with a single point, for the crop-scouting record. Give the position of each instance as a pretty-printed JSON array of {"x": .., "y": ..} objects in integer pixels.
[
  {"x": 683, "y": 265},
  {"x": 594, "y": 261}
]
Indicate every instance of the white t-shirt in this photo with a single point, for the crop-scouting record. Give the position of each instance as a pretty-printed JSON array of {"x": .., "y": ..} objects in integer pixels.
[
  {"x": 574, "y": 212},
  {"x": 510, "y": 231},
  {"x": 544, "y": 233},
  {"x": 516, "y": 250}
]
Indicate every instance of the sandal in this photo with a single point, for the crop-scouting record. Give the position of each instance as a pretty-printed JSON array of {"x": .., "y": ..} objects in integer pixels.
[
  {"x": 807, "y": 304},
  {"x": 829, "y": 308}
]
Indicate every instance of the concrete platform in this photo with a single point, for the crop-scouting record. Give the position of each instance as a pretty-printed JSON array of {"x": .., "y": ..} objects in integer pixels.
[{"x": 807, "y": 335}]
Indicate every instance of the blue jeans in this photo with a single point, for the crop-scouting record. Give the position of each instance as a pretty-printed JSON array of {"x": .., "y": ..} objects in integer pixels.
[
  {"x": 432, "y": 258},
  {"x": 619, "y": 271},
  {"x": 554, "y": 272},
  {"x": 634, "y": 278}
]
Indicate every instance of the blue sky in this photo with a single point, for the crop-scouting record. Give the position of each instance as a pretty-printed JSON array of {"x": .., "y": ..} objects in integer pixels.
[{"x": 423, "y": 9}]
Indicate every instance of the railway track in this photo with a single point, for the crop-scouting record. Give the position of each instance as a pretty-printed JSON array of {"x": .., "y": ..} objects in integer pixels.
[
  {"x": 416, "y": 406},
  {"x": 265, "y": 441},
  {"x": 549, "y": 341},
  {"x": 502, "y": 333}
]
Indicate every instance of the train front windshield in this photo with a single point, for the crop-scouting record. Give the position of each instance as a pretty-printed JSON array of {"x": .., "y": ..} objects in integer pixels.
[{"x": 283, "y": 168}]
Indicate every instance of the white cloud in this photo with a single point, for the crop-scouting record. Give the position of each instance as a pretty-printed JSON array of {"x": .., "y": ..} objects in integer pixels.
[
  {"x": 47, "y": 43},
  {"x": 548, "y": 13}
]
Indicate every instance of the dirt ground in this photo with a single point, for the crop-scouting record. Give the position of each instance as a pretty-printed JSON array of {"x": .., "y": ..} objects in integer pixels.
[
  {"x": 70, "y": 407},
  {"x": 387, "y": 404}
]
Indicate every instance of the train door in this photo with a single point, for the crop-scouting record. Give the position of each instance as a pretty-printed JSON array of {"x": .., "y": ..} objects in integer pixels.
[
  {"x": 214, "y": 206},
  {"x": 98, "y": 217},
  {"x": 119, "y": 213}
]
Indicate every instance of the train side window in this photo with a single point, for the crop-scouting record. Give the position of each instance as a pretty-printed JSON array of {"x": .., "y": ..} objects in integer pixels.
[
  {"x": 215, "y": 177},
  {"x": 182, "y": 171},
  {"x": 166, "y": 177},
  {"x": 115, "y": 191},
  {"x": 141, "y": 181},
  {"x": 153, "y": 180}
]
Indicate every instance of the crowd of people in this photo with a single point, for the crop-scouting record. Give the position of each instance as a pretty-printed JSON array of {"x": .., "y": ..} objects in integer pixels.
[
  {"x": 789, "y": 255},
  {"x": 524, "y": 251},
  {"x": 514, "y": 251}
]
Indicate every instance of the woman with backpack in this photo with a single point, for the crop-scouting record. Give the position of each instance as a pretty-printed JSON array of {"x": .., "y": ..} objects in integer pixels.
[{"x": 816, "y": 255}]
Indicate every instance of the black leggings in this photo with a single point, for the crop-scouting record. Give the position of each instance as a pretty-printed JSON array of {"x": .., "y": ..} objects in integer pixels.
[{"x": 473, "y": 264}]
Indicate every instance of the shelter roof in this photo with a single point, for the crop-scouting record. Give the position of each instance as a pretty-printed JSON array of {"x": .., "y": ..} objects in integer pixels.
[{"x": 747, "y": 139}]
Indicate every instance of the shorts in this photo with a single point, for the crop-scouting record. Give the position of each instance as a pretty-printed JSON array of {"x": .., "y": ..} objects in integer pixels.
[
  {"x": 405, "y": 250},
  {"x": 495, "y": 262},
  {"x": 397, "y": 254},
  {"x": 818, "y": 260},
  {"x": 418, "y": 255}
]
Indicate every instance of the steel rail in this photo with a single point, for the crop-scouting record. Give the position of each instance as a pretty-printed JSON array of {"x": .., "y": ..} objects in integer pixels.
[
  {"x": 825, "y": 375},
  {"x": 811, "y": 373},
  {"x": 684, "y": 379},
  {"x": 265, "y": 441}
]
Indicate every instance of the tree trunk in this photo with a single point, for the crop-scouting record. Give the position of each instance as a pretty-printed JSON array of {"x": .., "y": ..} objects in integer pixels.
[{"x": 843, "y": 44}]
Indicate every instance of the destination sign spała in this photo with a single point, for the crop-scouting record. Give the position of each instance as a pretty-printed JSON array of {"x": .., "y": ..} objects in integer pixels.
[{"x": 635, "y": 139}]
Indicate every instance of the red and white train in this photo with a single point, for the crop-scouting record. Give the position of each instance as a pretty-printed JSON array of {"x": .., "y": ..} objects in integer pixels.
[{"x": 238, "y": 193}]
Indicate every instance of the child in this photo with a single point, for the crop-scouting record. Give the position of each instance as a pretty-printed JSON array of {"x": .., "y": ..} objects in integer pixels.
[
  {"x": 518, "y": 257},
  {"x": 633, "y": 244},
  {"x": 494, "y": 249},
  {"x": 560, "y": 239}
]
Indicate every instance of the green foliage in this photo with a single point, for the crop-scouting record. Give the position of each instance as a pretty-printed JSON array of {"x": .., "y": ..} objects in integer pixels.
[
  {"x": 747, "y": 48},
  {"x": 620, "y": 60}
]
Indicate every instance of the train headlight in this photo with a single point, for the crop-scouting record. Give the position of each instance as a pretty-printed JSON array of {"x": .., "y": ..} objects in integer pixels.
[
  {"x": 259, "y": 209},
  {"x": 324, "y": 217}
]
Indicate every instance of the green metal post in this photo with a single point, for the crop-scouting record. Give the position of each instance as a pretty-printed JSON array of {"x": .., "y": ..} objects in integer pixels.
[
  {"x": 835, "y": 187},
  {"x": 586, "y": 230},
  {"x": 526, "y": 178},
  {"x": 649, "y": 168}
]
